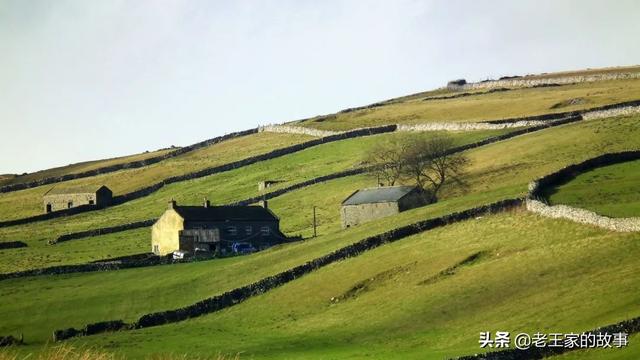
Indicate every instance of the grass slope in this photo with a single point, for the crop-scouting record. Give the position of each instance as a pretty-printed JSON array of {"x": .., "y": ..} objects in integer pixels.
[
  {"x": 498, "y": 105},
  {"x": 495, "y": 175},
  {"x": 23, "y": 203},
  {"x": 610, "y": 190},
  {"x": 221, "y": 188},
  {"x": 423, "y": 298},
  {"x": 79, "y": 167}
]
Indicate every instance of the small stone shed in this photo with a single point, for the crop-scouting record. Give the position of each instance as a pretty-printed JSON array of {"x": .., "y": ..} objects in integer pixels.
[
  {"x": 214, "y": 228},
  {"x": 374, "y": 203},
  {"x": 66, "y": 198}
]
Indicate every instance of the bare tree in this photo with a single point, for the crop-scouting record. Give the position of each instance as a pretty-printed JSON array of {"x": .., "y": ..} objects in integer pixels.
[
  {"x": 426, "y": 161},
  {"x": 386, "y": 162},
  {"x": 430, "y": 163}
]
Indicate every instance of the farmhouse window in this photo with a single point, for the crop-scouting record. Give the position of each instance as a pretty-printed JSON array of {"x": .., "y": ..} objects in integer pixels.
[
  {"x": 265, "y": 230},
  {"x": 231, "y": 230},
  {"x": 248, "y": 229}
]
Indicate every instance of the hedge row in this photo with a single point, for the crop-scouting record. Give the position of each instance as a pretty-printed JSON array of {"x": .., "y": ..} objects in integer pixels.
[
  {"x": 243, "y": 293},
  {"x": 628, "y": 326},
  {"x": 129, "y": 165}
]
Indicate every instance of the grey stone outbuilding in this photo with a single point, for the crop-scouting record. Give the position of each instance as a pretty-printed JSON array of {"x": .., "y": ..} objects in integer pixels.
[
  {"x": 66, "y": 198},
  {"x": 374, "y": 203}
]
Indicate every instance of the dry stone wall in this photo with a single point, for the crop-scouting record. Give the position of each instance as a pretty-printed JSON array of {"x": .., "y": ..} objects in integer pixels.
[
  {"x": 538, "y": 188},
  {"x": 337, "y": 175},
  {"x": 129, "y": 165},
  {"x": 120, "y": 199},
  {"x": 546, "y": 120},
  {"x": 531, "y": 82},
  {"x": 289, "y": 129},
  {"x": 12, "y": 245},
  {"x": 622, "y": 111},
  {"x": 238, "y": 295},
  {"x": 583, "y": 216}
]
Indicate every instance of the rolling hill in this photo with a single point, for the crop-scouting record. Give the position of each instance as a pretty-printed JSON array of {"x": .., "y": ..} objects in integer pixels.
[{"x": 426, "y": 295}]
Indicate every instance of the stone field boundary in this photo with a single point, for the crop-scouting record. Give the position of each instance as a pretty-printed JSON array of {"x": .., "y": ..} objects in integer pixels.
[{"x": 537, "y": 189}]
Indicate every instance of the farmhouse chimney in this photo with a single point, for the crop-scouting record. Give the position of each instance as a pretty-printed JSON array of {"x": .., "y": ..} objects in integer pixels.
[
  {"x": 172, "y": 204},
  {"x": 264, "y": 204},
  {"x": 206, "y": 203}
]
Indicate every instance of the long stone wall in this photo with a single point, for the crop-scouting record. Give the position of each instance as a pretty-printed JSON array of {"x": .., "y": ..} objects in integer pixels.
[
  {"x": 290, "y": 129},
  {"x": 128, "y": 165},
  {"x": 238, "y": 295},
  {"x": 12, "y": 245},
  {"x": 601, "y": 114},
  {"x": 546, "y": 120},
  {"x": 538, "y": 188},
  {"x": 120, "y": 199},
  {"x": 531, "y": 82},
  {"x": 466, "y": 126},
  {"x": 583, "y": 216},
  {"x": 337, "y": 175}
]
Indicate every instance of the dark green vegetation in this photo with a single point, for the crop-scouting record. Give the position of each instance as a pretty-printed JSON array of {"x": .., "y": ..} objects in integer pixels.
[
  {"x": 425, "y": 296},
  {"x": 611, "y": 190}
]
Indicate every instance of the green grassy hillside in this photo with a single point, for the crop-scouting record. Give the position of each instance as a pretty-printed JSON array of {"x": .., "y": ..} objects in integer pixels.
[
  {"x": 420, "y": 297},
  {"x": 23, "y": 203},
  {"x": 80, "y": 167},
  {"x": 498, "y": 105},
  {"x": 611, "y": 190},
  {"x": 425, "y": 297},
  {"x": 221, "y": 188}
]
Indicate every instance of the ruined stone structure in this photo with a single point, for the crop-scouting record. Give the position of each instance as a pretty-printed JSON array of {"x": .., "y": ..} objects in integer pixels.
[
  {"x": 66, "y": 198},
  {"x": 369, "y": 204},
  {"x": 214, "y": 228}
]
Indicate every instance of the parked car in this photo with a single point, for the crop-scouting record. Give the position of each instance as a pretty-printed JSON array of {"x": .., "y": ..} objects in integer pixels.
[
  {"x": 242, "y": 248},
  {"x": 180, "y": 255}
]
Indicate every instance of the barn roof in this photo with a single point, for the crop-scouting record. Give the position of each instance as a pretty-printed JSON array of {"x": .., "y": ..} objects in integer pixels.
[
  {"x": 378, "y": 195},
  {"x": 223, "y": 213},
  {"x": 88, "y": 189}
]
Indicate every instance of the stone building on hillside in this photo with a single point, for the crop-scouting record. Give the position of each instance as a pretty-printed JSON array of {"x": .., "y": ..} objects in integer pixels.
[
  {"x": 67, "y": 198},
  {"x": 214, "y": 229},
  {"x": 369, "y": 204}
]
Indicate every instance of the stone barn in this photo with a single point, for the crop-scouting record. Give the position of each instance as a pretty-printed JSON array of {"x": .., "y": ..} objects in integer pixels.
[
  {"x": 67, "y": 198},
  {"x": 369, "y": 204},
  {"x": 214, "y": 228}
]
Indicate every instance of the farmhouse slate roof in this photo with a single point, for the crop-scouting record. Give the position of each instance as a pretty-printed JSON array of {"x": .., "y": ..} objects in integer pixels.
[
  {"x": 88, "y": 189},
  {"x": 378, "y": 195},
  {"x": 222, "y": 213}
]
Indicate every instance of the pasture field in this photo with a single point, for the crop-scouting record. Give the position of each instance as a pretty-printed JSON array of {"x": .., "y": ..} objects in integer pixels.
[
  {"x": 80, "y": 167},
  {"x": 610, "y": 190},
  {"x": 221, "y": 188},
  {"x": 426, "y": 296},
  {"x": 28, "y": 202},
  {"x": 492, "y": 106}
]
